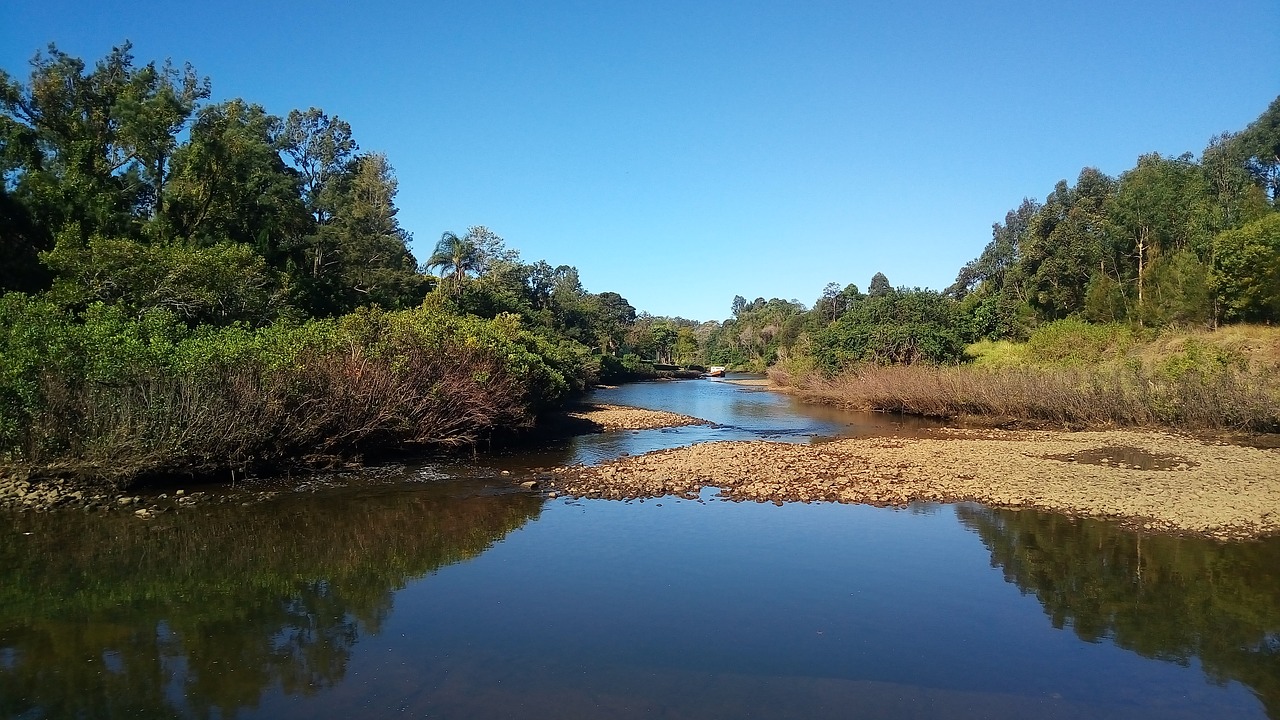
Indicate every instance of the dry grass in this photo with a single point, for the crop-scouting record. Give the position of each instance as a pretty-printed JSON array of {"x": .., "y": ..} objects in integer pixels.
[
  {"x": 332, "y": 407},
  {"x": 1093, "y": 396}
]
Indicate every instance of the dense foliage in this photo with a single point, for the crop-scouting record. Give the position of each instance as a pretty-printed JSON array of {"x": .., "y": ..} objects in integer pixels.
[
  {"x": 199, "y": 285},
  {"x": 191, "y": 286},
  {"x": 1175, "y": 242}
]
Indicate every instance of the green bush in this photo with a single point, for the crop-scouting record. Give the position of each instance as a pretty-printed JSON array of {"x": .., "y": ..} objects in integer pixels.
[
  {"x": 898, "y": 327},
  {"x": 117, "y": 396},
  {"x": 1073, "y": 341}
]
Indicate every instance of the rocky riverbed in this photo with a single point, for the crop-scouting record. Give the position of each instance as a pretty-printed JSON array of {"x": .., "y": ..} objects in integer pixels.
[
  {"x": 61, "y": 494},
  {"x": 1157, "y": 481}
]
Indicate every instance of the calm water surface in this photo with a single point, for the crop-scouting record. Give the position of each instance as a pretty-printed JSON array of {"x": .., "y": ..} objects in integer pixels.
[{"x": 435, "y": 592}]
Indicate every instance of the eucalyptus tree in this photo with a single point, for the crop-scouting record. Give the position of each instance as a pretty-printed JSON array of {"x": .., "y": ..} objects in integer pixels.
[
  {"x": 1160, "y": 208},
  {"x": 1261, "y": 143},
  {"x": 230, "y": 183},
  {"x": 94, "y": 147},
  {"x": 1066, "y": 245},
  {"x": 320, "y": 148}
]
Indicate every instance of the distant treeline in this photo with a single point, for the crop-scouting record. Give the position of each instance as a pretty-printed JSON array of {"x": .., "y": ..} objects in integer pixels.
[{"x": 1173, "y": 242}]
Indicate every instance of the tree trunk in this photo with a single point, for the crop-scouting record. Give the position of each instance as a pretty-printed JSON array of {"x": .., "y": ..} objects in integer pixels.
[{"x": 1142, "y": 251}]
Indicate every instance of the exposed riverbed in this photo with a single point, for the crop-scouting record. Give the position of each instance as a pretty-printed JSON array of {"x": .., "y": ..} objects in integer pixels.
[{"x": 444, "y": 590}]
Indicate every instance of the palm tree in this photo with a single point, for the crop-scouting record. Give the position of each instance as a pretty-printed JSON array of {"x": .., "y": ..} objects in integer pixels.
[{"x": 457, "y": 255}]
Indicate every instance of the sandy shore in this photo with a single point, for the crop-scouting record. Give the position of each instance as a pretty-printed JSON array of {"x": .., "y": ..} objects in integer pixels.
[
  {"x": 1157, "y": 481},
  {"x": 621, "y": 417}
]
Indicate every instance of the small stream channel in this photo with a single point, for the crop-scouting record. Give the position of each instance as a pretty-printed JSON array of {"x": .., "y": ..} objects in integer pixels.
[{"x": 436, "y": 591}]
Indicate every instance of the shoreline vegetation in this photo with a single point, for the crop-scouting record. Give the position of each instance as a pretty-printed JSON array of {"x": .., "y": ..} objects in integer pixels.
[
  {"x": 195, "y": 289},
  {"x": 1076, "y": 376}
]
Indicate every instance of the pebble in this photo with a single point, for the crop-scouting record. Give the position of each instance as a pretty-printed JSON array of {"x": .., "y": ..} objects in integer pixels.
[{"x": 1234, "y": 490}]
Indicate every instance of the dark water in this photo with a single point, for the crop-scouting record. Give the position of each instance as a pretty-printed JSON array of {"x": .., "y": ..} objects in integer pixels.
[{"x": 416, "y": 595}]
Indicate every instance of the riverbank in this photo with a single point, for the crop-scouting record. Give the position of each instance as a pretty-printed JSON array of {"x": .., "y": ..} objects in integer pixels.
[
  {"x": 1076, "y": 376},
  {"x": 1151, "y": 480}
]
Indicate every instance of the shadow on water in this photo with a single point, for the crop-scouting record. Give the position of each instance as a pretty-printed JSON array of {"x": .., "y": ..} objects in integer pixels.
[
  {"x": 1176, "y": 599},
  {"x": 207, "y": 611}
]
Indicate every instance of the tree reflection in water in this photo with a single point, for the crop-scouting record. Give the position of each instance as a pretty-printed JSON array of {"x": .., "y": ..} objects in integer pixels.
[
  {"x": 1163, "y": 597},
  {"x": 199, "y": 614}
]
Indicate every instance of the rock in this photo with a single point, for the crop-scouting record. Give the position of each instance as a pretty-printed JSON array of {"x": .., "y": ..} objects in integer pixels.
[
  {"x": 529, "y": 484},
  {"x": 142, "y": 513}
]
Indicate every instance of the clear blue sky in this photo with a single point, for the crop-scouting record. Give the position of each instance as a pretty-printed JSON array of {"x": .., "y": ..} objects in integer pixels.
[{"x": 681, "y": 153}]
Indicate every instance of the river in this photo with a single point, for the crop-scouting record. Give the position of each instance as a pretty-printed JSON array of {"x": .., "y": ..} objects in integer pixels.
[{"x": 436, "y": 591}]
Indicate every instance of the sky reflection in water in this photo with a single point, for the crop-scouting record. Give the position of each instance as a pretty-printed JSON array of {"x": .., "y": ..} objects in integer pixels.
[{"x": 450, "y": 598}]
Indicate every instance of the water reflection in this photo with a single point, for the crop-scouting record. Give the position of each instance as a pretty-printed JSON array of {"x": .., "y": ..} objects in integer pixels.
[
  {"x": 201, "y": 614},
  {"x": 1168, "y": 598},
  {"x": 734, "y": 412}
]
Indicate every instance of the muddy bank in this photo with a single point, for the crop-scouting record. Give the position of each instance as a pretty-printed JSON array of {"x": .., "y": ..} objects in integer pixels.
[{"x": 1157, "y": 481}]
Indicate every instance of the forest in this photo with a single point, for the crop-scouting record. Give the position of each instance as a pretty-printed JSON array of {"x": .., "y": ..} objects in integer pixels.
[
  {"x": 1174, "y": 242},
  {"x": 195, "y": 287}
]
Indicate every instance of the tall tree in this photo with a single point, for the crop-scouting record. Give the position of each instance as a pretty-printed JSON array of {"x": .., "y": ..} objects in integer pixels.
[
  {"x": 96, "y": 144},
  {"x": 456, "y": 257},
  {"x": 229, "y": 183},
  {"x": 879, "y": 285},
  {"x": 1066, "y": 244},
  {"x": 1160, "y": 207},
  {"x": 1261, "y": 144},
  {"x": 370, "y": 257},
  {"x": 320, "y": 147}
]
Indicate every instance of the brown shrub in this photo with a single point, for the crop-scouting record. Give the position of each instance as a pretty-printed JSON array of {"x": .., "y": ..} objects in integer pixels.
[{"x": 1129, "y": 395}]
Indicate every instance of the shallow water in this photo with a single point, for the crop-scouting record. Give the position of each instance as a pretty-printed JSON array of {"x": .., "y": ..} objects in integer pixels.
[
  {"x": 733, "y": 412},
  {"x": 418, "y": 593}
]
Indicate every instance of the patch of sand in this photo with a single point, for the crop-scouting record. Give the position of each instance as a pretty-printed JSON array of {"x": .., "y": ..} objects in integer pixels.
[
  {"x": 1192, "y": 485},
  {"x": 621, "y": 417}
]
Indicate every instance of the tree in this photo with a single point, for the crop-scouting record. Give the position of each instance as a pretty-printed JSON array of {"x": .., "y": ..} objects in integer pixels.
[
  {"x": 1065, "y": 244},
  {"x": 494, "y": 255},
  {"x": 610, "y": 315},
  {"x": 371, "y": 258},
  {"x": 1000, "y": 256},
  {"x": 896, "y": 327},
  {"x": 1159, "y": 207},
  {"x": 1247, "y": 278},
  {"x": 229, "y": 183},
  {"x": 879, "y": 285},
  {"x": 455, "y": 256},
  {"x": 1261, "y": 145},
  {"x": 95, "y": 147},
  {"x": 321, "y": 148},
  {"x": 664, "y": 340}
]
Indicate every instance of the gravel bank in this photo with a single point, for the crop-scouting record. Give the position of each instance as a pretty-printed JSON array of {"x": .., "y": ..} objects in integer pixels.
[
  {"x": 1157, "y": 481},
  {"x": 621, "y": 417}
]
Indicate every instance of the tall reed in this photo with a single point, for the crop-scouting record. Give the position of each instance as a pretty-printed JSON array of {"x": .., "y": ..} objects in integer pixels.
[{"x": 1099, "y": 395}]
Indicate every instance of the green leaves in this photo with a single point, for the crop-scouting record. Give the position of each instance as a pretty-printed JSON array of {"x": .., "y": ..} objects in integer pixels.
[
  {"x": 1247, "y": 275},
  {"x": 894, "y": 327}
]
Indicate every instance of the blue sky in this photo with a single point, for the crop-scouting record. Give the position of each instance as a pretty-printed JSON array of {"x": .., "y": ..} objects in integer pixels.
[{"x": 681, "y": 153}]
